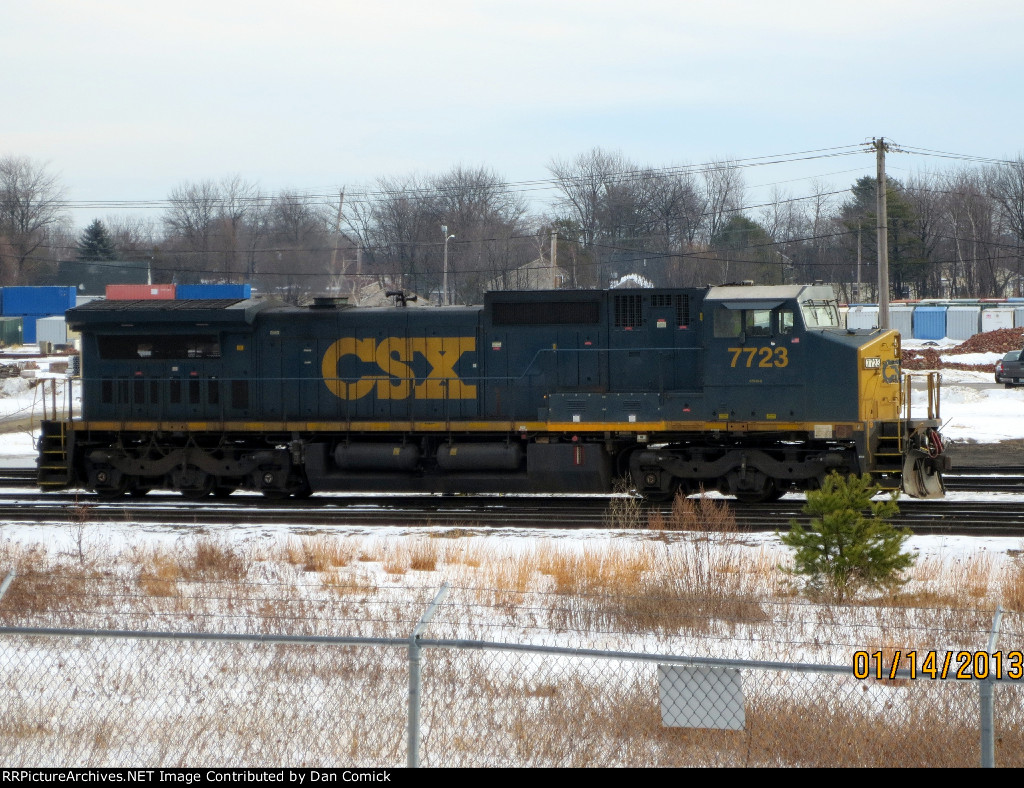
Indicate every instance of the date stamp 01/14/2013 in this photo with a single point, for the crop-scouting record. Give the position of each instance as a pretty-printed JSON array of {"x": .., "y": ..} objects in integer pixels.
[{"x": 938, "y": 664}]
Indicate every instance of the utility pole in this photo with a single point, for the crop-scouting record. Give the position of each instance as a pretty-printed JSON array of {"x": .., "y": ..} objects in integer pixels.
[
  {"x": 858, "y": 263},
  {"x": 337, "y": 239},
  {"x": 880, "y": 147},
  {"x": 444, "y": 275},
  {"x": 554, "y": 256}
]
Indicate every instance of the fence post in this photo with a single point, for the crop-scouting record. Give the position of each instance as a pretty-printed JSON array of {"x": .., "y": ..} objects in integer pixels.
[
  {"x": 6, "y": 583},
  {"x": 985, "y": 686},
  {"x": 413, "y": 754}
]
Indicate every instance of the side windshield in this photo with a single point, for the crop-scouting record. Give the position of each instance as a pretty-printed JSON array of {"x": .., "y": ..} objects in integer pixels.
[
  {"x": 820, "y": 314},
  {"x": 739, "y": 323}
]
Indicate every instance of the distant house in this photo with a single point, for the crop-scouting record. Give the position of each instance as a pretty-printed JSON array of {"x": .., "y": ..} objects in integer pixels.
[{"x": 535, "y": 275}]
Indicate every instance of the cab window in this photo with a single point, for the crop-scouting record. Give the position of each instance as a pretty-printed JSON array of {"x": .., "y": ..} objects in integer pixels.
[
  {"x": 728, "y": 323},
  {"x": 820, "y": 314},
  {"x": 758, "y": 322}
]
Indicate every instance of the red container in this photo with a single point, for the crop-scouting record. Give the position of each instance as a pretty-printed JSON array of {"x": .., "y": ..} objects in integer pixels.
[{"x": 140, "y": 292}]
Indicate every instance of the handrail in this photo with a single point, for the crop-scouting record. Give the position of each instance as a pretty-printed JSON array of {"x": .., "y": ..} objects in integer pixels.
[{"x": 933, "y": 382}]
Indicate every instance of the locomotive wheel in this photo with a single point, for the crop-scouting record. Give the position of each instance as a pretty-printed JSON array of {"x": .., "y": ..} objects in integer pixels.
[
  {"x": 766, "y": 494},
  {"x": 193, "y": 482},
  {"x": 110, "y": 493},
  {"x": 195, "y": 493},
  {"x": 223, "y": 491},
  {"x": 139, "y": 492},
  {"x": 276, "y": 495},
  {"x": 661, "y": 496}
]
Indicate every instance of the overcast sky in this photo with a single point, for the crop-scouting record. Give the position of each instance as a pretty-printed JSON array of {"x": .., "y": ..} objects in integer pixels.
[{"x": 126, "y": 100}]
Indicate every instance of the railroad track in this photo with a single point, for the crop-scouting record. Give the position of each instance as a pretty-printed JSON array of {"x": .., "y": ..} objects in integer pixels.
[
  {"x": 1004, "y": 478},
  {"x": 995, "y": 478},
  {"x": 999, "y": 518}
]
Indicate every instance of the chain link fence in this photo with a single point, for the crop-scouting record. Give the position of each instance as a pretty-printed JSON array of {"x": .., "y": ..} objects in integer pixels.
[{"x": 109, "y": 697}]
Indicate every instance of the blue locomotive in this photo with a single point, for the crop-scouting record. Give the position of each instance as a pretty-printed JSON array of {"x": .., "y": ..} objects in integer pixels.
[{"x": 749, "y": 390}]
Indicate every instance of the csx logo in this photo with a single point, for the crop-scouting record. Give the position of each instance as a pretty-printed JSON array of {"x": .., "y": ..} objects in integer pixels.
[{"x": 392, "y": 357}]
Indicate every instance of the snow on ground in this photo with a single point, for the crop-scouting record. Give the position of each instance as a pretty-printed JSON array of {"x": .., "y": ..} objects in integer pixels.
[{"x": 969, "y": 411}]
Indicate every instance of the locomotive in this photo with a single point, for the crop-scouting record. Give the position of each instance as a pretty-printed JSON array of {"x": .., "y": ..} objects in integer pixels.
[{"x": 749, "y": 390}]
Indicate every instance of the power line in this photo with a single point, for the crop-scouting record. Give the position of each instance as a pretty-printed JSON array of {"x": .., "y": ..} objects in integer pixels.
[{"x": 507, "y": 186}]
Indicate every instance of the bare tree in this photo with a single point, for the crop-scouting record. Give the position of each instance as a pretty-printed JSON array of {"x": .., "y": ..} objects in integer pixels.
[
  {"x": 213, "y": 229},
  {"x": 134, "y": 236},
  {"x": 724, "y": 192},
  {"x": 1006, "y": 187},
  {"x": 295, "y": 260},
  {"x": 488, "y": 222},
  {"x": 31, "y": 209},
  {"x": 190, "y": 223}
]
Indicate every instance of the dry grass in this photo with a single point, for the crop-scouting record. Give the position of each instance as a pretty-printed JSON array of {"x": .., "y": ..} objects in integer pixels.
[
  {"x": 968, "y": 583},
  {"x": 1011, "y": 584},
  {"x": 160, "y": 574},
  {"x": 692, "y": 585},
  {"x": 216, "y": 560},
  {"x": 424, "y": 555},
  {"x": 320, "y": 554},
  {"x": 703, "y": 514},
  {"x": 346, "y": 584}
]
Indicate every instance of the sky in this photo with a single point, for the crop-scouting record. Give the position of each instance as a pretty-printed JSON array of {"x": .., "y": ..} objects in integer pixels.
[{"x": 124, "y": 101}]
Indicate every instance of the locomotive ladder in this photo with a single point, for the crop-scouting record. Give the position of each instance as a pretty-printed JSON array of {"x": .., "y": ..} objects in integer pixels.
[
  {"x": 891, "y": 448},
  {"x": 53, "y": 468},
  {"x": 889, "y": 454}
]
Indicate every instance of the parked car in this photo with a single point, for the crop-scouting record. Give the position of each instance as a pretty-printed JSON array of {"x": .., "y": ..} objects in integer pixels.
[{"x": 1010, "y": 369}]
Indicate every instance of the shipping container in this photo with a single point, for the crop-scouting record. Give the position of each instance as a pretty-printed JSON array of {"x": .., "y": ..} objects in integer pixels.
[
  {"x": 930, "y": 322},
  {"x": 10, "y": 332},
  {"x": 1000, "y": 317},
  {"x": 140, "y": 292},
  {"x": 901, "y": 318},
  {"x": 54, "y": 330},
  {"x": 862, "y": 317},
  {"x": 963, "y": 322},
  {"x": 37, "y": 300},
  {"x": 210, "y": 292},
  {"x": 28, "y": 327}
]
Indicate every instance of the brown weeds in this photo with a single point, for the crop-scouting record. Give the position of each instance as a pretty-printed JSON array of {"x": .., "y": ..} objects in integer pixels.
[
  {"x": 319, "y": 554},
  {"x": 1011, "y": 584}
]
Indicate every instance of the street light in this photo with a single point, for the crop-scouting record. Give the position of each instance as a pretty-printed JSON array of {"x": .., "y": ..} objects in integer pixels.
[
  {"x": 787, "y": 263},
  {"x": 444, "y": 277}
]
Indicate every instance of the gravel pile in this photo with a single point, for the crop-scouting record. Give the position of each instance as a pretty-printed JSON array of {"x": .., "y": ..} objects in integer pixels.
[{"x": 999, "y": 341}]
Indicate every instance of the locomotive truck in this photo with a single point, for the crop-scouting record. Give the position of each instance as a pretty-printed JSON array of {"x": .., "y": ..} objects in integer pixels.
[{"x": 749, "y": 390}]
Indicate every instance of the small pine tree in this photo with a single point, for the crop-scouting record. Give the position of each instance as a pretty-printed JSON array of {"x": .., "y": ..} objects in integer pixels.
[
  {"x": 849, "y": 543},
  {"x": 96, "y": 243}
]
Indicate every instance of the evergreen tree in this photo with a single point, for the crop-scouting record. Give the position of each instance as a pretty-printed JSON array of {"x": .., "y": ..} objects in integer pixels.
[
  {"x": 908, "y": 263},
  {"x": 96, "y": 244},
  {"x": 849, "y": 543}
]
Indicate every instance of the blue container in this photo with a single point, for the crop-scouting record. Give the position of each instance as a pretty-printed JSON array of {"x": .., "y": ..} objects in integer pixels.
[
  {"x": 209, "y": 292},
  {"x": 930, "y": 322},
  {"x": 37, "y": 301}
]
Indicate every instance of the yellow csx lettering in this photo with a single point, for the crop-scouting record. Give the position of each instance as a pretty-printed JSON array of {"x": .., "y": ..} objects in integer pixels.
[{"x": 392, "y": 357}]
